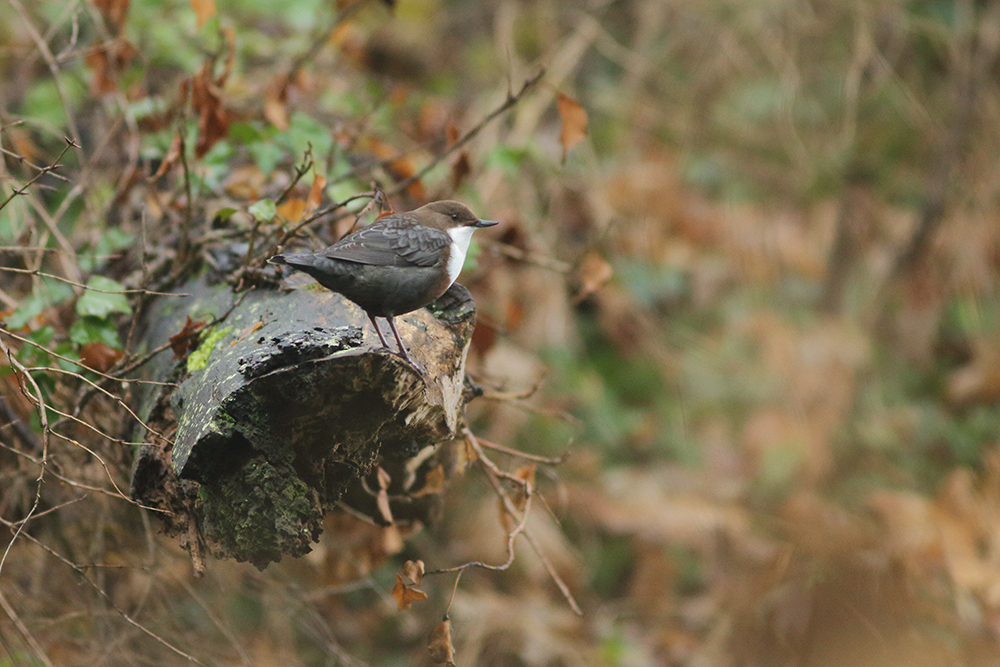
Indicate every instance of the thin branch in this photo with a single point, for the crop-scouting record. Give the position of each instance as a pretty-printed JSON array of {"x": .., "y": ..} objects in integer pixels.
[
  {"x": 522, "y": 455},
  {"x": 44, "y": 170},
  {"x": 38, "y": 400},
  {"x": 43, "y": 274},
  {"x": 511, "y": 100}
]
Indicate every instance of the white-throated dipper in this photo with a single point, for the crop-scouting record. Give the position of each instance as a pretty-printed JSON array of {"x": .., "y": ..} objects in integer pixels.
[{"x": 397, "y": 264}]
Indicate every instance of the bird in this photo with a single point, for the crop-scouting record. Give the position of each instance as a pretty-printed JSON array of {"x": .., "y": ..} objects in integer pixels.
[{"x": 397, "y": 264}]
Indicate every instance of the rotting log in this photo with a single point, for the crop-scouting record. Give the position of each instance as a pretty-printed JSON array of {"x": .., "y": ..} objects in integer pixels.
[{"x": 287, "y": 409}]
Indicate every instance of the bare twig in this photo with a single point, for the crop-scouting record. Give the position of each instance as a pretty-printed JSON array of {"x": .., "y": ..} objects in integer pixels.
[
  {"x": 41, "y": 172},
  {"x": 300, "y": 171},
  {"x": 512, "y": 99},
  {"x": 523, "y": 455},
  {"x": 36, "y": 398},
  {"x": 494, "y": 474},
  {"x": 43, "y": 274}
]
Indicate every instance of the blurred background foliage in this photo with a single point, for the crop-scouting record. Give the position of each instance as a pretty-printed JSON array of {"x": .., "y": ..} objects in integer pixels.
[{"x": 760, "y": 299}]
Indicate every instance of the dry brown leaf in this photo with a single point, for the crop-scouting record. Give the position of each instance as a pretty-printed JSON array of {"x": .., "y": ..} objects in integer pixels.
[
  {"x": 439, "y": 643},
  {"x": 171, "y": 158},
  {"x": 213, "y": 119},
  {"x": 203, "y": 10},
  {"x": 106, "y": 61},
  {"x": 275, "y": 98},
  {"x": 460, "y": 169},
  {"x": 405, "y": 595},
  {"x": 315, "y": 197},
  {"x": 594, "y": 272},
  {"x": 414, "y": 571},
  {"x": 433, "y": 483},
  {"x": 574, "y": 122},
  {"x": 451, "y": 133},
  {"x": 113, "y": 11},
  {"x": 99, "y": 356},
  {"x": 185, "y": 341}
]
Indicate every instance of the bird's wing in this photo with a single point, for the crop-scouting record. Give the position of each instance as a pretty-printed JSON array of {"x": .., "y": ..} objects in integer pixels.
[{"x": 394, "y": 240}]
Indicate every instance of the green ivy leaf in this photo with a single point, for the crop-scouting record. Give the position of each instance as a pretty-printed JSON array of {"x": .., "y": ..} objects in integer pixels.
[{"x": 105, "y": 302}]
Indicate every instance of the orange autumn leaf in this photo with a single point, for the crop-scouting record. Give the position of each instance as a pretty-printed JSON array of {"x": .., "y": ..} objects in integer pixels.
[
  {"x": 433, "y": 483},
  {"x": 203, "y": 10},
  {"x": 439, "y": 643},
  {"x": 292, "y": 210},
  {"x": 315, "y": 197},
  {"x": 574, "y": 122},
  {"x": 406, "y": 595}
]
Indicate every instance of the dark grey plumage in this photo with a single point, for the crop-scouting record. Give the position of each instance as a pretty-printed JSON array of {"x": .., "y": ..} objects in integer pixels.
[{"x": 397, "y": 264}]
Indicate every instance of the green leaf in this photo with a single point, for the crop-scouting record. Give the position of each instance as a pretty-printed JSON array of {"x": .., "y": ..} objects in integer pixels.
[
  {"x": 263, "y": 210},
  {"x": 266, "y": 154},
  {"x": 50, "y": 293},
  {"x": 105, "y": 302},
  {"x": 304, "y": 130},
  {"x": 222, "y": 216},
  {"x": 89, "y": 329}
]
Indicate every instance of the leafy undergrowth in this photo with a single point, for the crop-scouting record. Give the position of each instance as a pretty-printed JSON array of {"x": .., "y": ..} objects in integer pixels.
[{"x": 747, "y": 272}]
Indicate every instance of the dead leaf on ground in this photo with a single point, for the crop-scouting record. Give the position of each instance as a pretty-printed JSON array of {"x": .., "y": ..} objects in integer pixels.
[
  {"x": 574, "y": 122},
  {"x": 406, "y": 595},
  {"x": 439, "y": 643}
]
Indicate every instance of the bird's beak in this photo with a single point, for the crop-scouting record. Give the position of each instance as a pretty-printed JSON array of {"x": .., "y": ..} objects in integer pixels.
[{"x": 486, "y": 223}]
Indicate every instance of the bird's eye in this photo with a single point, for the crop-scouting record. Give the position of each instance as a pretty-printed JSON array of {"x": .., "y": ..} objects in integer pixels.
[{"x": 454, "y": 216}]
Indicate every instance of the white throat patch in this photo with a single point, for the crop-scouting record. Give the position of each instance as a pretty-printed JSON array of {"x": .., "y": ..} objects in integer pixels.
[{"x": 460, "y": 239}]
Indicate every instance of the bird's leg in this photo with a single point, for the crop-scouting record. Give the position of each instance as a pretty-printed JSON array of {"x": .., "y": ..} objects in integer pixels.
[
  {"x": 379, "y": 331},
  {"x": 402, "y": 348}
]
